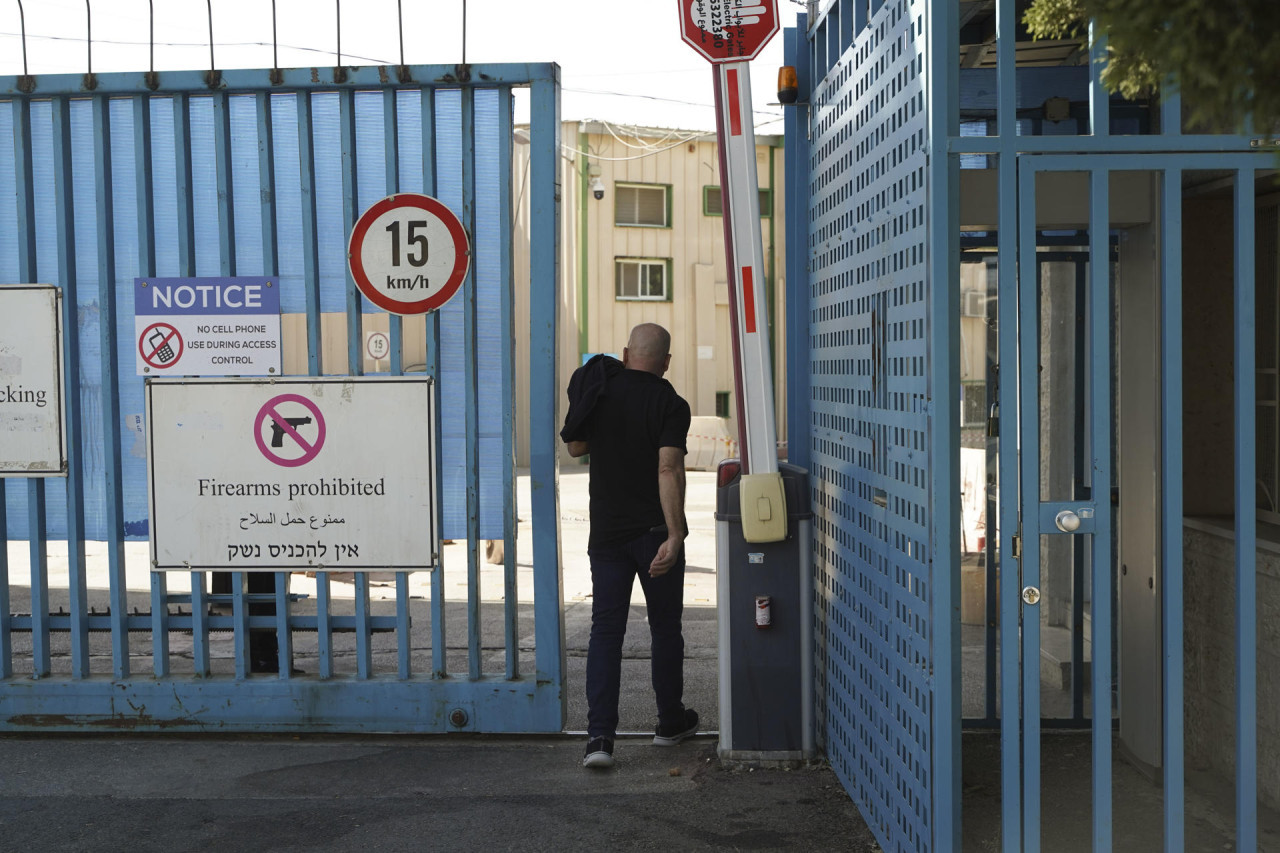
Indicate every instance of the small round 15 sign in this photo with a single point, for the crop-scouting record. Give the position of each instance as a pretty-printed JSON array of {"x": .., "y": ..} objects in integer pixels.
[{"x": 408, "y": 254}]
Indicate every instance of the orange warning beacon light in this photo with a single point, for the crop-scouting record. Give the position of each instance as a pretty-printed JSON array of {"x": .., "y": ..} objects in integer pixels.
[{"x": 788, "y": 85}]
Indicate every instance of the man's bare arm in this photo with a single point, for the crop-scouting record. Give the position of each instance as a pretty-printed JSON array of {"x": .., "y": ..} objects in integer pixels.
[
  {"x": 578, "y": 448},
  {"x": 671, "y": 494}
]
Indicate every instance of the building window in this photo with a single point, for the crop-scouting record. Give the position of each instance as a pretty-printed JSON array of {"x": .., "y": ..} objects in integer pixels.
[
  {"x": 973, "y": 404},
  {"x": 646, "y": 205},
  {"x": 642, "y": 278},
  {"x": 722, "y": 404},
  {"x": 713, "y": 202}
]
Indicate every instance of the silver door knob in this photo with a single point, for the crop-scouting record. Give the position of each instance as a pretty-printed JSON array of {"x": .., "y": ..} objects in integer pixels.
[
  {"x": 1067, "y": 521},
  {"x": 1031, "y": 595}
]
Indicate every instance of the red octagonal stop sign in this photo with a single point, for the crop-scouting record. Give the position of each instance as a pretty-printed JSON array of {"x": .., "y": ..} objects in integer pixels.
[{"x": 728, "y": 30}]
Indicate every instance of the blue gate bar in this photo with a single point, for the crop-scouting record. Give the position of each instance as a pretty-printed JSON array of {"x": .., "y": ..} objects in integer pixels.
[
  {"x": 1029, "y": 334},
  {"x": 404, "y": 639},
  {"x": 310, "y": 244},
  {"x": 364, "y": 633},
  {"x": 64, "y": 190},
  {"x": 186, "y": 200},
  {"x": 187, "y": 267},
  {"x": 240, "y": 624},
  {"x": 324, "y": 623},
  {"x": 348, "y": 705},
  {"x": 471, "y": 385},
  {"x": 391, "y": 141},
  {"x": 144, "y": 210},
  {"x": 1119, "y": 145},
  {"x": 6, "y": 639},
  {"x": 943, "y": 179},
  {"x": 350, "y": 212},
  {"x": 237, "y": 80},
  {"x": 507, "y": 294},
  {"x": 544, "y": 387},
  {"x": 439, "y": 646},
  {"x": 1246, "y": 434},
  {"x": 222, "y": 168},
  {"x": 1099, "y": 99},
  {"x": 112, "y": 469},
  {"x": 284, "y": 637},
  {"x": 271, "y": 268},
  {"x": 796, "y": 166},
  {"x": 1170, "y": 111},
  {"x": 39, "y": 580},
  {"x": 1007, "y": 306},
  {"x": 6, "y": 616},
  {"x": 267, "y": 185},
  {"x": 35, "y": 487},
  {"x": 199, "y": 625},
  {"x": 355, "y": 302},
  {"x": 1099, "y": 398},
  {"x": 227, "y": 267},
  {"x": 1171, "y": 506}
]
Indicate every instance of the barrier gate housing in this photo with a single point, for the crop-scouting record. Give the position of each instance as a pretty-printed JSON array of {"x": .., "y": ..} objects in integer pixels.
[
  {"x": 263, "y": 172},
  {"x": 1023, "y": 298}
]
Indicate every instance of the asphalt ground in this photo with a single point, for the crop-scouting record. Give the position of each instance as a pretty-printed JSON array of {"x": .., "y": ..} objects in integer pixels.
[{"x": 446, "y": 792}]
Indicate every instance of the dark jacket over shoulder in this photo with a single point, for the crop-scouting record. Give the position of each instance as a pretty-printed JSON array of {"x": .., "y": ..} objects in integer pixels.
[{"x": 585, "y": 386}]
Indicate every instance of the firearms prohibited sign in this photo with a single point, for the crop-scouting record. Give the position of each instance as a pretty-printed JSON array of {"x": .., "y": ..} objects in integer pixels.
[{"x": 307, "y": 473}]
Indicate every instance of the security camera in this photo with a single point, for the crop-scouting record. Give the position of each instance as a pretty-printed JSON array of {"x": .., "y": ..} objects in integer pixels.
[{"x": 597, "y": 188}]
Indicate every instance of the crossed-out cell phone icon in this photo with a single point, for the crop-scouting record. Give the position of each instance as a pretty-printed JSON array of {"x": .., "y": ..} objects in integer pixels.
[{"x": 164, "y": 353}]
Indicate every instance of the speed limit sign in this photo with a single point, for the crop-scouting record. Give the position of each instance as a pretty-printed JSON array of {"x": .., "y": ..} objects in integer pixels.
[{"x": 409, "y": 254}]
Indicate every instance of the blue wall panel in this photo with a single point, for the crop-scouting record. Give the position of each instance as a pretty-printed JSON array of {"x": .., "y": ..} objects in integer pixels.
[{"x": 871, "y": 424}]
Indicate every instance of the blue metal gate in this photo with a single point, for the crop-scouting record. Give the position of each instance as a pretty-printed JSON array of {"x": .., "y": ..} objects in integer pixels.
[
  {"x": 880, "y": 447},
  {"x": 263, "y": 173},
  {"x": 889, "y": 117}
]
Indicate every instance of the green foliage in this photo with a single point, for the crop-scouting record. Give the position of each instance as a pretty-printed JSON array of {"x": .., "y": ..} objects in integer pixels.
[{"x": 1223, "y": 55}]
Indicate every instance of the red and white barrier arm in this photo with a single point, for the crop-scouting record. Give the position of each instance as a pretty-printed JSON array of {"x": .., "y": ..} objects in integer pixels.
[{"x": 744, "y": 250}]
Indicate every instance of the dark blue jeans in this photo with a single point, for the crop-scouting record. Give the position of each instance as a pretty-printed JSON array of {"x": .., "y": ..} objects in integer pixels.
[{"x": 613, "y": 572}]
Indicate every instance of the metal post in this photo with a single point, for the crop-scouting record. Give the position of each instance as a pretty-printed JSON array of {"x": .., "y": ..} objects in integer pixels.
[{"x": 544, "y": 274}]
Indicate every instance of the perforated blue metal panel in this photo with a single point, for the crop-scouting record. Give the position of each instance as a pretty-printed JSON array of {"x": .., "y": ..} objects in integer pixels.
[{"x": 870, "y": 413}]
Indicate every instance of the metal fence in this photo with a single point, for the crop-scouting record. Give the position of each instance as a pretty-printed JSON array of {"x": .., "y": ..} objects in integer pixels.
[
  {"x": 874, "y": 320},
  {"x": 263, "y": 172},
  {"x": 891, "y": 118}
]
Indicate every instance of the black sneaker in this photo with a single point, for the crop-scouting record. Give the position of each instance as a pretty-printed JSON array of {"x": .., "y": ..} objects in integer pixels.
[
  {"x": 599, "y": 754},
  {"x": 672, "y": 735}
]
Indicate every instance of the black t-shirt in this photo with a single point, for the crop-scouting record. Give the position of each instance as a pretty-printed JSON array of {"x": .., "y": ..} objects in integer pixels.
[{"x": 635, "y": 415}]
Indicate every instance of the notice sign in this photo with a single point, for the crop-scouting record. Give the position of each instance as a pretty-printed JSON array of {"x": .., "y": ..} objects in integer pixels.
[
  {"x": 207, "y": 326},
  {"x": 312, "y": 473},
  {"x": 32, "y": 443}
]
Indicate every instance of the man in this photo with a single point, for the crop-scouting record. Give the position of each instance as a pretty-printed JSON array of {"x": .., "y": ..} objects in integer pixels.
[{"x": 634, "y": 425}]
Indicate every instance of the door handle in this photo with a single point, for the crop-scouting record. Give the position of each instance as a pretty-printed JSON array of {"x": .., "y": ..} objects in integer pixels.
[{"x": 1067, "y": 521}]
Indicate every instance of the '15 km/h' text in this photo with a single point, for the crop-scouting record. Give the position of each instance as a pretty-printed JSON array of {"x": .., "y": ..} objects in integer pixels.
[{"x": 411, "y": 283}]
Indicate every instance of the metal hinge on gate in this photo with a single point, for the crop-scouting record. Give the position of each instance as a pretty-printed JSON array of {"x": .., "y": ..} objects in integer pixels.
[{"x": 1017, "y": 546}]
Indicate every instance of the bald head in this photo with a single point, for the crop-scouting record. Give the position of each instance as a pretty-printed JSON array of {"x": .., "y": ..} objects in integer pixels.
[{"x": 648, "y": 349}]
